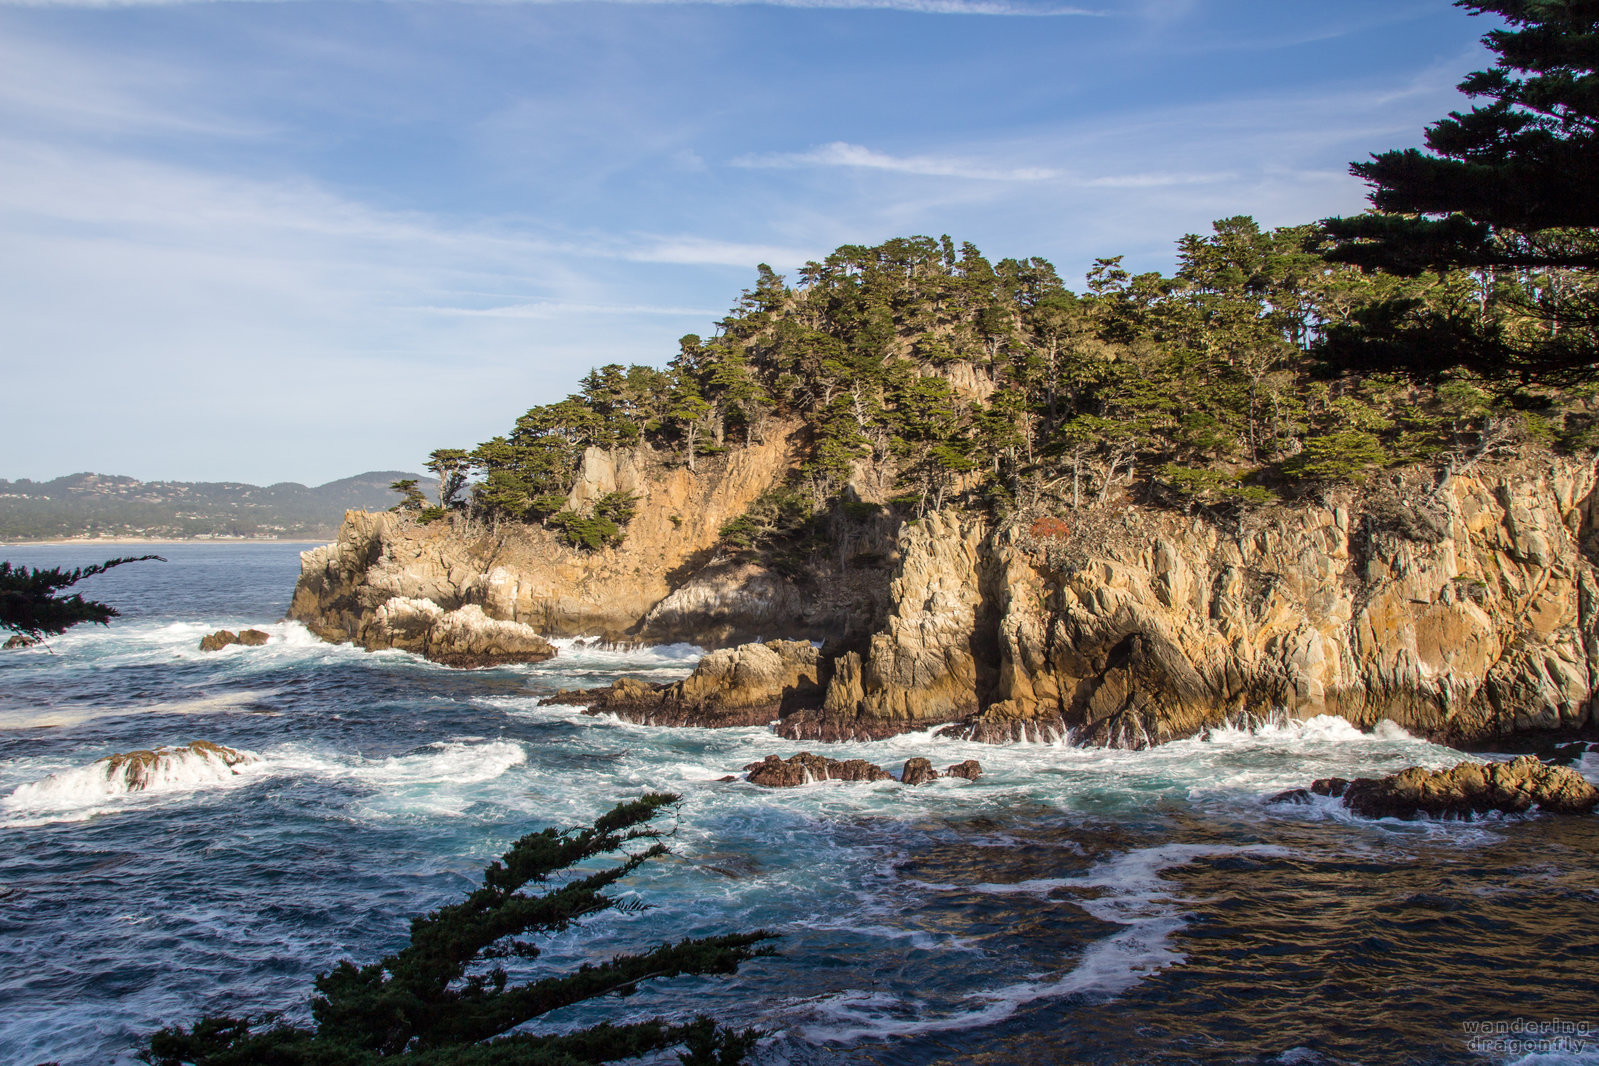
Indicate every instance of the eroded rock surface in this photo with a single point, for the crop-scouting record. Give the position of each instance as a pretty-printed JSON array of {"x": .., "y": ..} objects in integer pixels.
[
  {"x": 1464, "y": 791},
  {"x": 805, "y": 769},
  {"x": 1464, "y": 611},
  {"x": 919, "y": 771},
  {"x": 752, "y": 684},
  {"x": 464, "y": 637}
]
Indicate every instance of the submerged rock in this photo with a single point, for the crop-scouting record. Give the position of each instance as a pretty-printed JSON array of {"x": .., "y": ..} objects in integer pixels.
[
  {"x": 134, "y": 771},
  {"x": 1464, "y": 791}
]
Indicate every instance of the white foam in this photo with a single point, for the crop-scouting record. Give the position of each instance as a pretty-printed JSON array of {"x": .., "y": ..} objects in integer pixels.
[{"x": 108, "y": 784}]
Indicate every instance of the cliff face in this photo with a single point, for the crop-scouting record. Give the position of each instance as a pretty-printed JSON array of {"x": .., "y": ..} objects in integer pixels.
[
  {"x": 1465, "y": 612},
  {"x": 660, "y": 585}
]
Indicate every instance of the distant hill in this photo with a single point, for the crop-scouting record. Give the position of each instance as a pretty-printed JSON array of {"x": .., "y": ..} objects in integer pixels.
[{"x": 102, "y": 505}]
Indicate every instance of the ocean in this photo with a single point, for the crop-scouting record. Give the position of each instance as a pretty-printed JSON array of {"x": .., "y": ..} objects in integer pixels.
[{"x": 1071, "y": 905}]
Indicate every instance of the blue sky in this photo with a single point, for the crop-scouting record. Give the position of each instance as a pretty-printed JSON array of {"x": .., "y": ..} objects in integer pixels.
[{"x": 297, "y": 240}]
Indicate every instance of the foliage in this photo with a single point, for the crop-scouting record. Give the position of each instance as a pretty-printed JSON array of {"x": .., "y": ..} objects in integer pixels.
[
  {"x": 919, "y": 369},
  {"x": 446, "y": 999},
  {"x": 411, "y": 498},
  {"x": 1508, "y": 191},
  {"x": 589, "y": 532},
  {"x": 31, "y": 603}
]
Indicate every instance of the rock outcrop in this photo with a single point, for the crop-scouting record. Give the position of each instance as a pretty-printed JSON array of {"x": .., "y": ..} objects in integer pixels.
[
  {"x": 250, "y": 638},
  {"x": 17, "y": 640},
  {"x": 464, "y": 637},
  {"x": 1464, "y": 611},
  {"x": 920, "y": 771},
  {"x": 929, "y": 664},
  {"x": 664, "y": 583},
  {"x": 807, "y": 769},
  {"x": 1463, "y": 791},
  {"x": 750, "y": 685}
]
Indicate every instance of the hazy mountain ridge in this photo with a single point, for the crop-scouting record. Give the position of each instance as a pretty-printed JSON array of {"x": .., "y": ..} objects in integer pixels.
[{"x": 105, "y": 505}]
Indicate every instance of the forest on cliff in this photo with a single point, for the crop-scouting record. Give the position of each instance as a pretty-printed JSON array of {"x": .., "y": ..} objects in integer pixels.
[
  {"x": 1456, "y": 320},
  {"x": 920, "y": 374}
]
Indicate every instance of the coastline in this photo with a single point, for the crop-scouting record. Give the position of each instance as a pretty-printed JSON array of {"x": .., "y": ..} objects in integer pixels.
[{"x": 65, "y": 541}]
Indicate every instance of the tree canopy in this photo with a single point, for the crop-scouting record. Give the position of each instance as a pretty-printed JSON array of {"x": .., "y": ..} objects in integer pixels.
[
  {"x": 1509, "y": 189},
  {"x": 447, "y": 999},
  {"x": 32, "y": 604}
]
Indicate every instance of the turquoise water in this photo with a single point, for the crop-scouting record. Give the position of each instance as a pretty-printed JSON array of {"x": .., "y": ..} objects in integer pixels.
[{"x": 1072, "y": 905}]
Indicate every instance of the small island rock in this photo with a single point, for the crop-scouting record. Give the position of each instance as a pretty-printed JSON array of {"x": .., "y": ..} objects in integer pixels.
[
  {"x": 219, "y": 640},
  {"x": 805, "y": 768},
  {"x": 1463, "y": 791}
]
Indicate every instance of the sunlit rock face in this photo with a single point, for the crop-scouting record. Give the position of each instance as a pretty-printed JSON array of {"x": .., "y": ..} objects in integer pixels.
[{"x": 1463, "y": 611}]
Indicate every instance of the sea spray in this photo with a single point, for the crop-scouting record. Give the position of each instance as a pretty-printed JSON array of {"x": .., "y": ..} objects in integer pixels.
[{"x": 164, "y": 770}]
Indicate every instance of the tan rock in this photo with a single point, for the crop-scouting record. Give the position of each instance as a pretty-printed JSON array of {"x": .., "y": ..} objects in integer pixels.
[{"x": 752, "y": 684}]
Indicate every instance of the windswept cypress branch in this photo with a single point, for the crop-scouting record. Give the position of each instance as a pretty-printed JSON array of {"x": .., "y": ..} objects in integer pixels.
[
  {"x": 29, "y": 603},
  {"x": 432, "y": 1003}
]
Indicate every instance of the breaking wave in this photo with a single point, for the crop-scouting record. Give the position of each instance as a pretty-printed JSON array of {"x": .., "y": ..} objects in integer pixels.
[{"x": 74, "y": 794}]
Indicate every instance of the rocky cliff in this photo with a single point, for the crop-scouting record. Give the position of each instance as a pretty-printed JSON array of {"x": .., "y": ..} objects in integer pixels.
[
  {"x": 665, "y": 583},
  {"x": 1464, "y": 611}
]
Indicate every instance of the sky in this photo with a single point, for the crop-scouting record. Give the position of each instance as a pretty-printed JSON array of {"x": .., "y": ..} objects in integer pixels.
[{"x": 289, "y": 240}]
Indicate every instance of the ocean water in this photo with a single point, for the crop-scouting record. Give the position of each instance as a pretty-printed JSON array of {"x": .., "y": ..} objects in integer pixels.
[{"x": 1072, "y": 905}]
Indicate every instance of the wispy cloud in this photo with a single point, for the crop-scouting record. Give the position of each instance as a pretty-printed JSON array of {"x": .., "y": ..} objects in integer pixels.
[
  {"x": 844, "y": 154},
  {"x": 700, "y": 251},
  {"x": 1155, "y": 180},
  {"x": 551, "y": 309}
]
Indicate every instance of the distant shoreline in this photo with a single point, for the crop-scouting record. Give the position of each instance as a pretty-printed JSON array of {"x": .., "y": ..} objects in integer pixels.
[{"x": 63, "y": 541}]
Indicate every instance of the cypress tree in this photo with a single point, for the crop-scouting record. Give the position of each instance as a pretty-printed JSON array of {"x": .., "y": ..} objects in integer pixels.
[{"x": 444, "y": 1000}]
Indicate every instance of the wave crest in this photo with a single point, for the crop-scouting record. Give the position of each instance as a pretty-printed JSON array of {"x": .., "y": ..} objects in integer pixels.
[{"x": 115, "y": 777}]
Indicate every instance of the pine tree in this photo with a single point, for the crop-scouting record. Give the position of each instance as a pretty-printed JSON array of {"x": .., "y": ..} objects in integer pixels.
[
  {"x": 1509, "y": 188},
  {"x": 444, "y": 1000}
]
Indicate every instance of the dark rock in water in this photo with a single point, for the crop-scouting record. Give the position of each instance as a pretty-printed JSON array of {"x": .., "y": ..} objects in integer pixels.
[
  {"x": 971, "y": 769},
  {"x": 727, "y": 778},
  {"x": 750, "y": 685},
  {"x": 253, "y": 638},
  {"x": 20, "y": 641},
  {"x": 219, "y": 640},
  {"x": 1299, "y": 796},
  {"x": 805, "y": 768},
  {"x": 1466, "y": 790}
]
